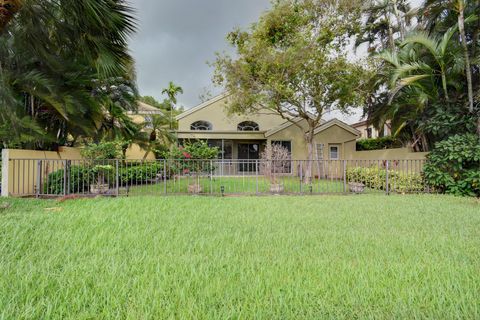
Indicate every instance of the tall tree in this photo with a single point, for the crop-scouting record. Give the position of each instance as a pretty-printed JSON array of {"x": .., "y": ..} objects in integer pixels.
[
  {"x": 57, "y": 62},
  {"x": 294, "y": 61},
  {"x": 172, "y": 91}
]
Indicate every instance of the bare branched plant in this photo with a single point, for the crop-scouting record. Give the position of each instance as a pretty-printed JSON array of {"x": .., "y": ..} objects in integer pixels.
[{"x": 274, "y": 160}]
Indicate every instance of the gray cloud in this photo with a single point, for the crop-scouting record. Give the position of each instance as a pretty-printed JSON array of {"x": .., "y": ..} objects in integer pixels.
[{"x": 176, "y": 38}]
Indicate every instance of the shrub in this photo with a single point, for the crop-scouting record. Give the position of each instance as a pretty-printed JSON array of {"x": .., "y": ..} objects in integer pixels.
[
  {"x": 80, "y": 179},
  {"x": 104, "y": 150},
  {"x": 453, "y": 166},
  {"x": 133, "y": 174},
  {"x": 376, "y": 178},
  {"x": 387, "y": 142},
  {"x": 186, "y": 155}
]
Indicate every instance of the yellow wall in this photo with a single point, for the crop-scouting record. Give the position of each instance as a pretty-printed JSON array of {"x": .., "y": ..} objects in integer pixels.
[
  {"x": 23, "y": 165},
  {"x": 388, "y": 154},
  {"x": 335, "y": 135},
  {"x": 217, "y": 114}
]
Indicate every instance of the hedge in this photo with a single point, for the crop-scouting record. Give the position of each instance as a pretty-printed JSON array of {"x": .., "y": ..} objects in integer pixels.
[
  {"x": 375, "y": 178},
  {"x": 80, "y": 178},
  {"x": 387, "y": 142}
]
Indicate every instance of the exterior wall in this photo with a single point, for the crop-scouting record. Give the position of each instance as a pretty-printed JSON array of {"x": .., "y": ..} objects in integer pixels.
[
  {"x": 388, "y": 154},
  {"x": 375, "y": 133},
  {"x": 20, "y": 168},
  {"x": 217, "y": 114},
  {"x": 334, "y": 135}
]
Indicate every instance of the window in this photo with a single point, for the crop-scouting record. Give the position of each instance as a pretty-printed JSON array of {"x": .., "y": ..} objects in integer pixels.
[
  {"x": 148, "y": 122},
  {"x": 201, "y": 126},
  {"x": 248, "y": 126},
  {"x": 334, "y": 153},
  {"x": 369, "y": 133},
  {"x": 320, "y": 151}
]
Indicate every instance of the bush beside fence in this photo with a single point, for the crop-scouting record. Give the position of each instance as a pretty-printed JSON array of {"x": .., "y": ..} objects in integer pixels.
[{"x": 376, "y": 178}]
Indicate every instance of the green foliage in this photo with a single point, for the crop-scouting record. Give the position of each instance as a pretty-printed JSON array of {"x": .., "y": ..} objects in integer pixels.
[
  {"x": 81, "y": 177},
  {"x": 378, "y": 143},
  {"x": 189, "y": 155},
  {"x": 65, "y": 72},
  {"x": 105, "y": 150},
  {"x": 79, "y": 180},
  {"x": 453, "y": 166},
  {"x": 376, "y": 178},
  {"x": 193, "y": 150},
  {"x": 140, "y": 173}
]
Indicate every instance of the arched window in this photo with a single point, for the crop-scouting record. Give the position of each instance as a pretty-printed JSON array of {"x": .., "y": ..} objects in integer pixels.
[
  {"x": 201, "y": 126},
  {"x": 248, "y": 126}
]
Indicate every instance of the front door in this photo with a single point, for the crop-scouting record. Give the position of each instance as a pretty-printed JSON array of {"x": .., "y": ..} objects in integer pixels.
[{"x": 248, "y": 153}]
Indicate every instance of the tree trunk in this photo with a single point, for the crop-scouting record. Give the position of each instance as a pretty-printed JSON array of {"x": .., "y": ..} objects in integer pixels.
[
  {"x": 8, "y": 8},
  {"x": 310, "y": 157},
  {"x": 463, "y": 38}
]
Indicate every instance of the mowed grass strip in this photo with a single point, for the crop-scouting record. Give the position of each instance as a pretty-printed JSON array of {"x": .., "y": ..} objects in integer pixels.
[{"x": 337, "y": 257}]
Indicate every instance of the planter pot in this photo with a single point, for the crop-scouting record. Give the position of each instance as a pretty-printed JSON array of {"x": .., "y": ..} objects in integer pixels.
[
  {"x": 195, "y": 188},
  {"x": 276, "y": 188},
  {"x": 356, "y": 187},
  {"x": 99, "y": 188}
]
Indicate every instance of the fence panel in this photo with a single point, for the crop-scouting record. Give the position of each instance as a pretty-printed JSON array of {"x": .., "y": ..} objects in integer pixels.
[{"x": 117, "y": 177}]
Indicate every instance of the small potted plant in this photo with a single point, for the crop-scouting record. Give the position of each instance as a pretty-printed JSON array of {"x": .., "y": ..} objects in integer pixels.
[
  {"x": 275, "y": 160},
  {"x": 98, "y": 157}
]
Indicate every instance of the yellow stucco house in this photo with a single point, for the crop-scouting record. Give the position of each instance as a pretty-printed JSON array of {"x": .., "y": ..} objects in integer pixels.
[{"x": 244, "y": 136}]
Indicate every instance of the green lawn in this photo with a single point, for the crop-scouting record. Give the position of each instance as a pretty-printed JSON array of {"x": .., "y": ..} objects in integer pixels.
[
  {"x": 334, "y": 257},
  {"x": 238, "y": 185}
]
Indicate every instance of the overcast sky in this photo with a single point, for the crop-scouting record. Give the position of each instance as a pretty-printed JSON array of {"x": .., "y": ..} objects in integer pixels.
[{"x": 176, "y": 38}]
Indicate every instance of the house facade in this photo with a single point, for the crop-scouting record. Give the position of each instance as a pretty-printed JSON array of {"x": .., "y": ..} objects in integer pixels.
[
  {"x": 245, "y": 136},
  {"x": 368, "y": 131}
]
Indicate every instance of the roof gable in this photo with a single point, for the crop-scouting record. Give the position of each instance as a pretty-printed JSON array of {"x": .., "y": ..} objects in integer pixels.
[
  {"x": 201, "y": 106},
  {"x": 336, "y": 122}
]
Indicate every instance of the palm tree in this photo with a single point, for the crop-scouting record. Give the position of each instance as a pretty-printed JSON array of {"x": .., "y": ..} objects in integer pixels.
[
  {"x": 55, "y": 61},
  {"x": 422, "y": 65},
  {"x": 437, "y": 15},
  {"x": 158, "y": 135},
  {"x": 172, "y": 91},
  {"x": 385, "y": 22}
]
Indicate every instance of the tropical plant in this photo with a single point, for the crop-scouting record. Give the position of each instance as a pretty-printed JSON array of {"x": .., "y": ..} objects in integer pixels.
[
  {"x": 65, "y": 70},
  {"x": 172, "y": 91},
  {"x": 454, "y": 166}
]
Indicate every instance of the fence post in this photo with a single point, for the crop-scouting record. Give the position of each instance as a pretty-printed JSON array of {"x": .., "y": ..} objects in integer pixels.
[
  {"x": 256, "y": 174},
  {"x": 117, "y": 191},
  {"x": 345, "y": 176},
  {"x": 165, "y": 176},
  {"x": 39, "y": 177},
  {"x": 301, "y": 176},
  {"x": 5, "y": 172},
  {"x": 387, "y": 188},
  {"x": 211, "y": 176},
  {"x": 65, "y": 177}
]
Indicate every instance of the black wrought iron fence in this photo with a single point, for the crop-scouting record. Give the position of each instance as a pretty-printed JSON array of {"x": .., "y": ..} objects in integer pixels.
[{"x": 40, "y": 177}]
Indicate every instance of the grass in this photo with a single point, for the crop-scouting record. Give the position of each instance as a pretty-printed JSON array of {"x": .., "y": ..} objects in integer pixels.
[
  {"x": 238, "y": 185},
  {"x": 332, "y": 257}
]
